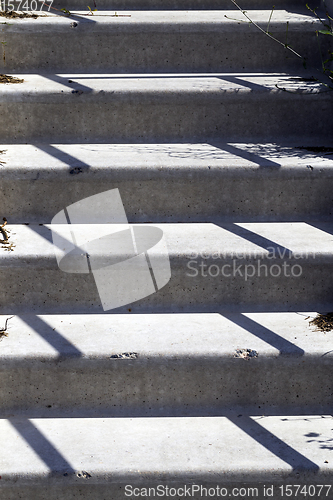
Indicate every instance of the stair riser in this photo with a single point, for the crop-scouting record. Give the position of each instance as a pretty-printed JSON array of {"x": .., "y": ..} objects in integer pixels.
[
  {"x": 156, "y": 51},
  {"x": 192, "y": 288},
  {"x": 104, "y": 490},
  {"x": 116, "y": 491},
  {"x": 144, "y": 117},
  {"x": 117, "y": 5},
  {"x": 177, "y": 195},
  {"x": 163, "y": 386},
  {"x": 178, "y": 4}
]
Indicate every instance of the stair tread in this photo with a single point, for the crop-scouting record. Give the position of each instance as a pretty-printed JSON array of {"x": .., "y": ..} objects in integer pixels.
[
  {"x": 162, "y": 336},
  {"x": 142, "y": 449},
  {"x": 161, "y": 20},
  {"x": 24, "y": 161},
  {"x": 56, "y": 88},
  {"x": 310, "y": 242}
]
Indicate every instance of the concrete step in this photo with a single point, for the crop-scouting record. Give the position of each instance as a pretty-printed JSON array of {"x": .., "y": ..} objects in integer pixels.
[
  {"x": 165, "y": 108},
  {"x": 106, "y": 458},
  {"x": 164, "y": 364},
  {"x": 169, "y": 182},
  {"x": 163, "y": 41},
  {"x": 240, "y": 267}
]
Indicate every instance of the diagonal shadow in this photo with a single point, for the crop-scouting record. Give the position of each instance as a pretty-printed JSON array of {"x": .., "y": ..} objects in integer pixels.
[
  {"x": 48, "y": 237},
  {"x": 256, "y": 239},
  {"x": 285, "y": 347},
  {"x": 42, "y": 447},
  {"x": 322, "y": 226},
  {"x": 53, "y": 337},
  {"x": 71, "y": 161},
  {"x": 239, "y": 80},
  {"x": 75, "y": 86},
  {"x": 275, "y": 445},
  {"x": 82, "y": 17},
  {"x": 58, "y": 464},
  {"x": 247, "y": 155}
]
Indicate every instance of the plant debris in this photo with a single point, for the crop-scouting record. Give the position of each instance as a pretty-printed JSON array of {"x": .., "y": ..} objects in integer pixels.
[
  {"x": 323, "y": 322},
  {"x": 3, "y": 232},
  {"x": 3, "y": 331},
  {"x": 10, "y": 79},
  {"x": 1, "y": 153},
  {"x": 84, "y": 474},
  {"x": 125, "y": 355},
  {"x": 9, "y": 246},
  {"x": 10, "y": 14},
  {"x": 246, "y": 353}
]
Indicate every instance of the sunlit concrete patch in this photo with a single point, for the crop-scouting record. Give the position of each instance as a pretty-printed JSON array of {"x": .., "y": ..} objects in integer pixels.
[{"x": 143, "y": 450}]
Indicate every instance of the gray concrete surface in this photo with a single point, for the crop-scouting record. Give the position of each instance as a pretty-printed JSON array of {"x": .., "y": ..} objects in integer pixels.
[
  {"x": 178, "y": 364},
  {"x": 92, "y": 402},
  {"x": 145, "y": 451},
  {"x": 293, "y": 5},
  {"x": 169, "y": 182}
]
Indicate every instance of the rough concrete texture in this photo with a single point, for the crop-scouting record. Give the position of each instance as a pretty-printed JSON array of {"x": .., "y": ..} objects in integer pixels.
[
  {"x": 269, "y": 266},
  {"x": 200, "y": 130},
  {"x": 145, "y": 451},
  {"x": 180, "y": 364},
  {"x": 165, "y": 41},
  {"x": 294, "y": 5},
  {"x": 169, "y": 182},
  {"x": 144, "y": 108}
]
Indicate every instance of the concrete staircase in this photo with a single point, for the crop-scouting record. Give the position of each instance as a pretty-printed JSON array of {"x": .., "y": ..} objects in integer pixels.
[{"x": 216, "y": 385}]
